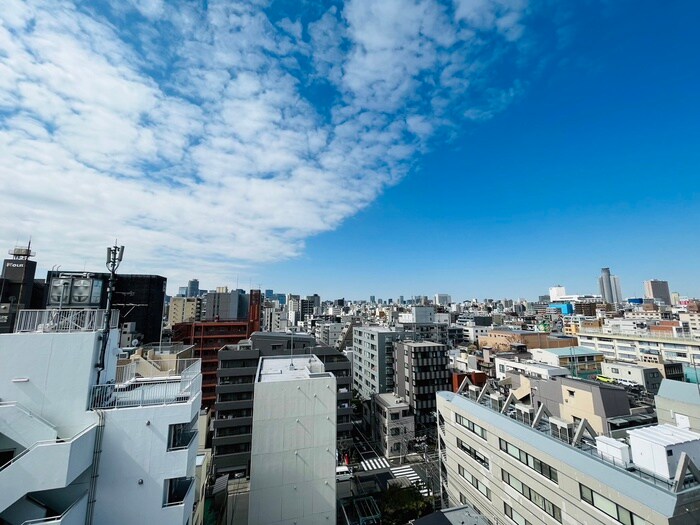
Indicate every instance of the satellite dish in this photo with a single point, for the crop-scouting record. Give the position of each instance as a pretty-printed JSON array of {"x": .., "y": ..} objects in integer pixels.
[{"x": 134, "y": 342}]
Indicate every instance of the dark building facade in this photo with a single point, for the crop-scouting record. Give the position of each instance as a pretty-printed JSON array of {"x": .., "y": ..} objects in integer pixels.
[
  {"x": 238, "y": 365},
  {"x": 18, "y": 288},
  {"x": 421, "y": 370},
  {"x": 138, "y": 298}
]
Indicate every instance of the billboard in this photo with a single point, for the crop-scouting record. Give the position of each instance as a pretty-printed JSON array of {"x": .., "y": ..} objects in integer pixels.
[{"x": 75, "y": 291}]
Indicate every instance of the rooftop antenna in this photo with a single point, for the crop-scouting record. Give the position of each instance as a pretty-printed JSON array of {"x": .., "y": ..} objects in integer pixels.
[{"x": 115, "y": 254}]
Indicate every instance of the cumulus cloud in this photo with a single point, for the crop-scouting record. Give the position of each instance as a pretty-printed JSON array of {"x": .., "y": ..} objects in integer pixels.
[{"x": 219, "y": 135}]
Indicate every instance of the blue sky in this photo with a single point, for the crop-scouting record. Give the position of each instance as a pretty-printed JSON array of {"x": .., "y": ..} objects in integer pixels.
[{"x": 479, "y": 148}]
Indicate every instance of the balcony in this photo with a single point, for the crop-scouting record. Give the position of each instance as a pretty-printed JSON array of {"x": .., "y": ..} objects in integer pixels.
[
  {"x": 87, "y": 320},
  {"x": 28, "y": 472},
  {"x": 138, "y": 392},
  {"x": 73, "y": 515}
]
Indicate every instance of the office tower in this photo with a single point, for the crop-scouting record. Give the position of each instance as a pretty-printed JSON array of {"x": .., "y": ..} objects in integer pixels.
[
  {"x": 193, "y": 288},
  {"x": 515, "y": 463},
  {"x": 292, "y": 476},
  {"x": 372, "y": 299},
  {"x": 223, "y": 305},
  {"x": 442, "y": 299},
  {"x": 657, "y": 290},
  {"x": 269, "y": 294},
  {"x": 18, "y": 288},
  {"x": 557, "y": 292},
  {"x": 609, "y": 287},
  {"x": 421, "y": 370},
  {"x": 106, "y": 445}
]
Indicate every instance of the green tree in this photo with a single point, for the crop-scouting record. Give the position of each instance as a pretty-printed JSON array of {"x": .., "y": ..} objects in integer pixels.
[{"x": 399, "y": 505}]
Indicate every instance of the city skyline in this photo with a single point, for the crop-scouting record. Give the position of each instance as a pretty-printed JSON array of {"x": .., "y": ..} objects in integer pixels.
[{"x": 477, "y": 149}]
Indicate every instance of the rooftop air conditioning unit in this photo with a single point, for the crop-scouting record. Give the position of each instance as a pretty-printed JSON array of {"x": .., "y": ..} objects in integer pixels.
[
  {"x": 496, "y": 401},
  {"x": 474, "y": 392},
  {"x": 561, "y": 429},
  {"x": 524, "y": 413}
]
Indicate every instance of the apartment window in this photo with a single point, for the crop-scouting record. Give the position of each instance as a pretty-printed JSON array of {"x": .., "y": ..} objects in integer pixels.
[
  {"x": 463, "y": 499},
  {"x": 471, "y": 426},
  {"x": 175, "y": 491},
  {"x": 531, "y": 461},
  {"x": 534, "y": 497},
  {"x": 610, "y": 508},
  {"x": 515, "y": 516},
  {"x": 475, "y": 482},
  {"x": 473, "y": 453}
]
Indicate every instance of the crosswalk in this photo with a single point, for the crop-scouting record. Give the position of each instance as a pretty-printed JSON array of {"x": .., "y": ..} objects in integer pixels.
[
  {"x": 374, "y": 464},
  {"x": 410, "y": 474}
]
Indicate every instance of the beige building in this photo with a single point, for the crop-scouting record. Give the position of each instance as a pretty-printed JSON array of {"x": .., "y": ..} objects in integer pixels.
[
  {"x": 501, "y": 339},
  {"x": 393, "y": 425},
  {"x": 184, "y": 310},
  {"x": 516, "y": 466}
]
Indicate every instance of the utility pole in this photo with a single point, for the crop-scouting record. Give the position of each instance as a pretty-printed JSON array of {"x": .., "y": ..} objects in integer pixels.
[{"x": 114, "y": 259}]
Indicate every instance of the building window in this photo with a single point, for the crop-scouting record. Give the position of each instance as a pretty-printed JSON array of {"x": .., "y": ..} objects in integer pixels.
[
  {"x": 517, "y": 518},
  {"x": 532, "y": 462},
  {"x": 534, "y": 497},
  {"x": 610, "y": 508},
  {"x": 471, "y": 426},
  {"x": 475, "y": 482},
  {"x": 473, "y": 453}
]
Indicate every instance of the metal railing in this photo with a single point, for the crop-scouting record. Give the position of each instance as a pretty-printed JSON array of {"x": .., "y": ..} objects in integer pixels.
[
  {"x": 154, "y": 369},
  {"x": 28, "y": 412},
  {"x": 590, "y": 450},
  {"x": 153, "y": 391},
  {"x": 64, "y": 320}
]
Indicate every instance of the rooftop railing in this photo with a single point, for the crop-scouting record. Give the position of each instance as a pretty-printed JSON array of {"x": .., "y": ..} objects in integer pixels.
[
  {"x": 589, "y": 448},
  {"x": 87, "y": 320},
  {"x": 136, "y": 392},
  {"x": 153, "y": 369}
]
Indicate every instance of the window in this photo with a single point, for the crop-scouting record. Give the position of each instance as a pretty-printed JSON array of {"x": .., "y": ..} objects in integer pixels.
[
  {"x": 471, "y": 426},
  {"x": 610, "y": 508},
  {"x": 475, "y": 482},
  {"x": 473, "y": 453},
  {"x": 532, "y": 462},
  {"x": 517, "y": 518},
  {"x": 395, "y": 415},
  {"x": 533, "y": 496}
]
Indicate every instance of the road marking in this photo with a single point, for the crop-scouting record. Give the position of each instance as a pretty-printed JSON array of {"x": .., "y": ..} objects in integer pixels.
[
  {"x": 410, "y": 474},
  {"x": 374, "y": 464}
]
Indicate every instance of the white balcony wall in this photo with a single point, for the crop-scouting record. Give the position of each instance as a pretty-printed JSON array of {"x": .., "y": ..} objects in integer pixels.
[
  {"x": 51, "y": 375},
  {"x": 21, "y": 426},
  {"x": 45, "y": 466}
]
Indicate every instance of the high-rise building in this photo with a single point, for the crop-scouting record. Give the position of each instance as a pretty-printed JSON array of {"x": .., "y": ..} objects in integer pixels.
[
  {"x": 292, "y": 475},
  {"x": 421, "y": 370},
  {"x": 18, "y": 288},
  {"x": 373, "y": 360},
  {"x": 609, "y": 287},
  {"x": 442, "y": 299},
  {"x": 193, "y": 288},
  {"x": 657, "y": 290}
]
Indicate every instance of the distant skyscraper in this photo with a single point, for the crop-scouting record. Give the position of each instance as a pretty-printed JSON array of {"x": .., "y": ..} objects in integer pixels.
[
  {"x": 557, "y": 292},
  {"x": 269, "y": 295},
  {"x": 609, "y": 287},
  {"x": 193, "y": 288},
  {"x": 658, "y": 290},
  {"x": 372, "y": 299}
]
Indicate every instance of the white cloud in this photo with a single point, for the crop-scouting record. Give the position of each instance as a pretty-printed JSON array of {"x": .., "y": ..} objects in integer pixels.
[{"x": 192, "y": 135}]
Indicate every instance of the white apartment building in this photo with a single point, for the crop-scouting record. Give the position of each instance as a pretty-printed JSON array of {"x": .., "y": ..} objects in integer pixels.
[
  {"x": 292, "y": 477},
  {"x": 373, "y": 359},
  {"x": 83, "y": 443},
  {"x": 518, "y": 465},
  {"x": 528, "y": 368},
  {"x": 642, "y": 347},
  {"x": 393, "y": 426}
]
